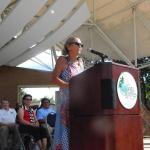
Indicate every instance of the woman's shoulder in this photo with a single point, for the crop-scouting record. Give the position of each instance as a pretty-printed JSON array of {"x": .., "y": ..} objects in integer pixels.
[
  {"x": 20, "y": 110},
  {"x": 81, "y": 63},
  {"x": 80, "y": 60}
]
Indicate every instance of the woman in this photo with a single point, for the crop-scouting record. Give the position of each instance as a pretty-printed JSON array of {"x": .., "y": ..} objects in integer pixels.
[
  {"x": 66, "y": 67},
  {"x": 29, "y": 124}
]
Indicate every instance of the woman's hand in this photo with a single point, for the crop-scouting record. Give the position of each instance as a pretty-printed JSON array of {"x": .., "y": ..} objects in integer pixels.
[{"x": 34, "y": 124}]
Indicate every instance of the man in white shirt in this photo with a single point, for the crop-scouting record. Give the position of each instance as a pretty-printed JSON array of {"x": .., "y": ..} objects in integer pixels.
[
  {"x": 8, "y": 126},
  {"x": 7, "y": 115}
]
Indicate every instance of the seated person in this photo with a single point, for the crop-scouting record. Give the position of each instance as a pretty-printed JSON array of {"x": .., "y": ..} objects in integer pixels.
[
  {"x": 42, "y": 113},
  {"x": 8, "y": 127},
  {"x": 44, "y": 110},
  {"x": 28, "y": 123}
]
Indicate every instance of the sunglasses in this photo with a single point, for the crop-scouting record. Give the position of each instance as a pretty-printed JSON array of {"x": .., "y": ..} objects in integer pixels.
[
  {"x": 46, "y": 102},
  {"x": 29, "y": 99},
  {"x": 78, "y": 44}
]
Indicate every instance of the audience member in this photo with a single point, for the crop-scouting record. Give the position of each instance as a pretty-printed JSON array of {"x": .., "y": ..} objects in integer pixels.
[
  {"x": 45, "y": 109},
  {"x": 8, "y": 127},
  {"x": 28, "y": 123}
]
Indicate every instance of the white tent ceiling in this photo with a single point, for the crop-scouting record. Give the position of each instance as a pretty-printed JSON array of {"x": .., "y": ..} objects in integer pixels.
[
  {"x": 27, "y": 30},
  {"x": 118, "y": 28}
]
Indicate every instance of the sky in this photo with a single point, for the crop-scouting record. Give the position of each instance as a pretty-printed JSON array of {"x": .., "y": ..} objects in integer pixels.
[{"x": 43, "y": 61}]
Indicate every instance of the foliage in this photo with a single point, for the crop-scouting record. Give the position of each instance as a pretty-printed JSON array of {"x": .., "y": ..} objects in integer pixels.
[
  {"x": 145, "y": 86},
  {"x": 145, "y": 80},
  {"x": 21, "y": 93}
]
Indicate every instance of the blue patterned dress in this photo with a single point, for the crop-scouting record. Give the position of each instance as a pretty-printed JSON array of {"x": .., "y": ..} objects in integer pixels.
[{"x": 61, "y": 135}]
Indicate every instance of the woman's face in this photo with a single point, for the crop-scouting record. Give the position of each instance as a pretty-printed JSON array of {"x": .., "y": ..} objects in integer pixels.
[
  {"x": 75, "y": 48},
  {"x": 27, "y": 101}
]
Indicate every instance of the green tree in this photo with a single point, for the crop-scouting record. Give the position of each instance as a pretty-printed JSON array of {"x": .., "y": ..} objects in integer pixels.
[
  {"x": 145, "y": 86},
  {"x": 21, "y": 93}
]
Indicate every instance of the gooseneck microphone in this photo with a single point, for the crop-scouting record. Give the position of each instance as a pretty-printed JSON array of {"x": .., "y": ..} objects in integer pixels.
[
  {"x": 96, "y": 52},
  {"x": 103, "y": 56}
]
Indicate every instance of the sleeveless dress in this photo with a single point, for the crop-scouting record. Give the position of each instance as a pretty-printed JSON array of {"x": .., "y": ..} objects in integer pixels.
[{"x": 61, "y": 134}]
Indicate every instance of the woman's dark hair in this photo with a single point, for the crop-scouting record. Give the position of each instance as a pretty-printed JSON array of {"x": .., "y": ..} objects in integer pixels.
[
  {"x": 26, "y": 95},
  {"x": 42, "y": 101},
  {"x": 69, "y": 41},
  {"x": 45, "y": 99}
]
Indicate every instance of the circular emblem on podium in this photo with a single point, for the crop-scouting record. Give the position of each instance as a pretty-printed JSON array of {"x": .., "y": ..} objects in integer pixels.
[{"x": 127, "y": 90}]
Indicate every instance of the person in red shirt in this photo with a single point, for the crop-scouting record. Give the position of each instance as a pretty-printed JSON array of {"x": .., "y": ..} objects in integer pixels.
[{"x": 28, "y": 123}]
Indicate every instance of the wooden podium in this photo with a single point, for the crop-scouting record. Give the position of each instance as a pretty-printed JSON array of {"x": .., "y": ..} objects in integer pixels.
[{"x": 105, "y": 110}]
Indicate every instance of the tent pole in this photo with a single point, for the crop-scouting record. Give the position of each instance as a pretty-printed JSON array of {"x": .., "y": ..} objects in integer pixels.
[
  {"x": 111, "y": 43},
  {"x": 135, "y": 35}
]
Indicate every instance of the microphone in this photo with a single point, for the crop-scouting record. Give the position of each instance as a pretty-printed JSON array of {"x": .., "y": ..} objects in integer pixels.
[{"x": 97, "y": 53}]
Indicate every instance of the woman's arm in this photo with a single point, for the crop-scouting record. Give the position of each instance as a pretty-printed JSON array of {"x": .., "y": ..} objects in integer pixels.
[
  {"x": 20, "y": 117},
  {"x": 36, "y": 121},
  {"x": 60, "y": 66}
]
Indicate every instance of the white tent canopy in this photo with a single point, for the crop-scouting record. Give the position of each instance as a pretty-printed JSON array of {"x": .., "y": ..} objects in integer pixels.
[
  {"x": 117, "y": 28},
  {"x": 42, "y": 25}
]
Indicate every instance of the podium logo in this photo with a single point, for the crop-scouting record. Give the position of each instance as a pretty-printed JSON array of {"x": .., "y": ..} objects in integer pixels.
[{"x": 127, "y": 90}]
